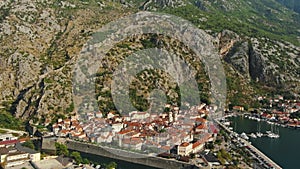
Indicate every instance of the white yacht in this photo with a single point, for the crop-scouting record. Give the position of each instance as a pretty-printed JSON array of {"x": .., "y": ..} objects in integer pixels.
[
  {"x": 259, "y": 134},
  {"x": 244, "y": 136},
  {"x": 253, "y": 135},
  {"x": 273, "y": 135},
  {"x": 227, "y": 123}
]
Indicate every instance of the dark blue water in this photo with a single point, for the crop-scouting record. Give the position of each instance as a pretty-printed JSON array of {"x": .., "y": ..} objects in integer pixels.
[{"x": 285, "y": 150}]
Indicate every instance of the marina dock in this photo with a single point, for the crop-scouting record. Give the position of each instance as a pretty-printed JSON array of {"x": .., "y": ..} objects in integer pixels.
[{"x": 252, "y": 148}]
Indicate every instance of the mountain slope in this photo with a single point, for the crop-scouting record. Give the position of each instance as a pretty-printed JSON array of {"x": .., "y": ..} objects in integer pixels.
[
  {"x": 40, "y": 42},
  {"x": 266, "y": 46},
  {"x": 291, "y": 4}
]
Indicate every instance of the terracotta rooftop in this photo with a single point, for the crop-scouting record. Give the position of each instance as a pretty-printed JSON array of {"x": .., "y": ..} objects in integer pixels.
[
  {"x": 8, "y": 142},
  {"x": 184, "y": 144},
  {"x": 202, "y": 120},
  {"x": 125, "y": 131}
]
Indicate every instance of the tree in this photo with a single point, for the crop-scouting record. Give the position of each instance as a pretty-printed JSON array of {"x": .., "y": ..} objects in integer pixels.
[
  {"x": 61, "y": 149},
  {"x": 111, "y": 165},
  {"x": 7, "y": 120},
  {"x": 77, "y": 157},
  {"x": 29, "y": 144},
  {"x": 246, "y": 107},
  {"x": 85, "y": 161},
  {"x": 70, "y": 108},
  {"x": 209, "y": 145}
]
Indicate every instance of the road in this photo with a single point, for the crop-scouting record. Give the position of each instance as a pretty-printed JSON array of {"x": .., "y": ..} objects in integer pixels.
[{"x": 14, "y": 131}]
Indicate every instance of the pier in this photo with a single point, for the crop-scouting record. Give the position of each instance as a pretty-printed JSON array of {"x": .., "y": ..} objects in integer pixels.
[{"x": 252, "y": 148}]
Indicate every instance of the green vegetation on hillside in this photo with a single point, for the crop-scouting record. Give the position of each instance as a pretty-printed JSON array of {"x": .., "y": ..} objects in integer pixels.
[
  {"x": 265, "y": 18},
  {"x": 61, "y": 149},
  {"x": 146, "y": 81},
  {"x": 29, "y": 144},
  {"x": 9, "y": 121},
  {"x": 291, "y": 4}
]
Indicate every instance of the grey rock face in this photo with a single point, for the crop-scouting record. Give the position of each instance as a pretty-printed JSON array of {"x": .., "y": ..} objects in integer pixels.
[
  {"x": 257, "y": 66},
  {"x": 261, "y": 60},
  {"x": 152, "y": 4},
  {"x": 238, "y": 56},
  {"x": 37, "y": 82}
]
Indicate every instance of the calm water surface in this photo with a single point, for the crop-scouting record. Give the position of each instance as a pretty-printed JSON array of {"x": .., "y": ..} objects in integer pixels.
[{"x": 285, "y": 150}]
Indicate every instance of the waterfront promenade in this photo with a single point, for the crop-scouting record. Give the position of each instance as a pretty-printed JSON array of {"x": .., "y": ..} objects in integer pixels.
[{"x": 252, "y": 148}]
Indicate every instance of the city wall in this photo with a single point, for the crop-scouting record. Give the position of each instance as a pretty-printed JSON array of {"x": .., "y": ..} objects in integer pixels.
[{"x": 126, "y": 156}]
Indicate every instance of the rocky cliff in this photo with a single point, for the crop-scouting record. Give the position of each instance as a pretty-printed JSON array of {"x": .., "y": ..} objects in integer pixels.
[
  {"x": 270, "y": 62},
  {"x": 40, "y": 41},
  {"x": 39, "y": 44}
]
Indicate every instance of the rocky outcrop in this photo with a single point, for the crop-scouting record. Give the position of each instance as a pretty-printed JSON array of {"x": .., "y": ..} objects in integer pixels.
[
  {"x": 238, "y": 56},
  {"x": 261, "y": 60},
  {"x": 225, "y": 41},
  {"x": 234, "y": 51},
  {"x": 153, "y": 4},
  {"x": 257, "y": 65},
  {"x": 39, "y": 43},
  {"x": 40, "y": 40}
]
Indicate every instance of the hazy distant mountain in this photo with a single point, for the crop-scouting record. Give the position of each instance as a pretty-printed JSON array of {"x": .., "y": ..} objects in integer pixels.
[{"x": 291, "y": 4}]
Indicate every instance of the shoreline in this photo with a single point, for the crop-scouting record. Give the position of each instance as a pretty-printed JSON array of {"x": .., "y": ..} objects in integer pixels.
[
  {"x": 151, "y": 161},
  {"x": 269, "y": 121},
  {"x": 251, "y": 147}
]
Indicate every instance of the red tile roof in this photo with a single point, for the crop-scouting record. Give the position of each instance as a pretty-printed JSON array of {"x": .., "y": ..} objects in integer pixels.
[
  {"x": 202, "y": 120},
  {"x": 24, "y": 139},
  {"x": 9, "y": 142},
  {"x": 184, "y": 144},
  {"x": 213, "y": 128},
  {"x": 202, "y": 126},
  {"x": 125, "y": 131},
  {"x": 196, "y": 144}
]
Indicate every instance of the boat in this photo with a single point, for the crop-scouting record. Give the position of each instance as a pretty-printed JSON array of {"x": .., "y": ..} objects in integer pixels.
[
  {"x": 273, "y": 135},
  {"x": 244, "y": 136},
  {"x": 259, "y": 134},
  {"x": 227, "y": 123},
  {"x": 253, "y": 135}
]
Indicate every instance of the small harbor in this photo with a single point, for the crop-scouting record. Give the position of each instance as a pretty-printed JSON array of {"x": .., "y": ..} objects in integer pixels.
[
  {"x": 273, "y": 131},
  {"x": 242, "y": 140},
  {"x": 277, "y": 141}
]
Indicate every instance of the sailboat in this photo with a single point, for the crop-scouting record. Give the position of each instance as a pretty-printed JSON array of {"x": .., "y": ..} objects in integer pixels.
[
  {"x": 258, "y": 133},
  {"x": 271, "y": 134},
  {"x": 277, "y": 133}
]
